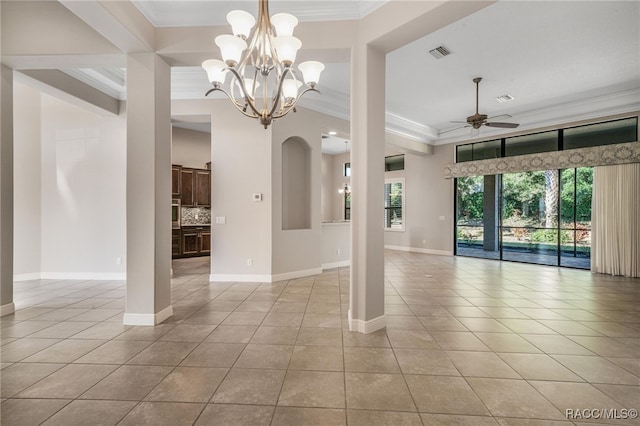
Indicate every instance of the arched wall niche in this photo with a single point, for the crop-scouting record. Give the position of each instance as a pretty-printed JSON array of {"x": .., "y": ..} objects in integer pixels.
[{"x": 296, "y": 184}]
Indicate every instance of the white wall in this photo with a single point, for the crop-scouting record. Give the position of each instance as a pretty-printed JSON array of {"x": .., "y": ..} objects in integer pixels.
[
  {"x": 326, "y": 197},
  {"x": 190, "y": 148},
  {"x": 27, "y": 206},
  {"x": 83, "y": 192},
  {"x": 332, "y": 181},
  {"x": 296, "y": 250},
  {"x": 428, "y": 203},
  {"x": 241, "y": 166},
  {"x": 336, "y": 244}
]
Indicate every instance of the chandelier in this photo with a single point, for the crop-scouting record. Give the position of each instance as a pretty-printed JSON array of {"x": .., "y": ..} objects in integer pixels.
[{"x": 264, "y": 84}]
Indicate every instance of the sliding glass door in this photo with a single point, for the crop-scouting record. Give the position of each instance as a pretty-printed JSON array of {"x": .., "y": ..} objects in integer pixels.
[
  {"x": 530, "y": 217},
  {"x": 575, "y": 212},
  {"x": 541, "y": 217},
  {"x": 477, "y": 217}
]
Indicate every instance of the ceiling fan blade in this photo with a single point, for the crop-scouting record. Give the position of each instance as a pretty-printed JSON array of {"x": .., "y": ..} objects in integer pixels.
[
  {"x": 499, "y": 116},
  {"x": 502, "y": 125},
  {"x": 451, "y": 130},
  {"x": 460, "y": 122}
]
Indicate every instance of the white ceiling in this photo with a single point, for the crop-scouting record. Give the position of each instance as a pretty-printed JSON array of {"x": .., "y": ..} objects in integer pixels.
[{"x": 561, "y": 61}]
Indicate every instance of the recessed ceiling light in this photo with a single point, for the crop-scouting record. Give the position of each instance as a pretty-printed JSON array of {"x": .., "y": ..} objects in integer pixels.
[
  {"x": 333, "y": 133},
  {"x": 504, "y": 98}
]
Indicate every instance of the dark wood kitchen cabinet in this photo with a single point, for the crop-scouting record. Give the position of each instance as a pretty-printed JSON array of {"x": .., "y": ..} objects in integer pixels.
[
  {"x": 196, "y": 241},
  {"x": 176, "y": 244},
  {"x": 203, "y": 188},
  {"x": 175, "y": 181},
  {"x": 187, "y": 177},
  {"x": 195, "y": 187}
]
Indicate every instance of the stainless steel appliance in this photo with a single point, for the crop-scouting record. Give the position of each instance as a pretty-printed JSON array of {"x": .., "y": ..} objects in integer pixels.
[{"x": 175, "y": 213}]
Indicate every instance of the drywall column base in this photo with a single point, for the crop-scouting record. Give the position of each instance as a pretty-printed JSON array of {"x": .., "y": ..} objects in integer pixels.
[
  {"x": 366, "y": 293},
  {"x": 148, "y": 190},
  {"x": 6, "y": 191}
]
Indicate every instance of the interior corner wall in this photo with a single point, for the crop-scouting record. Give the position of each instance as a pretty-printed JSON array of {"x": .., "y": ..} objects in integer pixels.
[
  {"x": 428, "y": 204},
  {"x": 83, "y": 185},
  {"x": 190, "y": 148},
  {"x": 27, "y": 193},
  {"x": 241, "y": 167},
  {"x": 298, "y": 252},
  {"x": 326, "y": 197}
]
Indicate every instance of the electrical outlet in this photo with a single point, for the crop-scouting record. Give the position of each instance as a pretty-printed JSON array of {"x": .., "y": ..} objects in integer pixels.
[
  {"x": 338, "y": 251},
  {"x": 221, "y": 219},
  {"x": 249, "y": 262},
  {"x": 118, "y": 261},
  {"x": 441, "y": 217},
  {"x": 424, "y": 242}
]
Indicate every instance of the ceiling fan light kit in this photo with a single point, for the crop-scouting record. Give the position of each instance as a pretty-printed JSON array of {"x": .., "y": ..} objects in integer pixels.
[
  {"x": 478, "y": 120},
  {"x": 266, "y": 61}
]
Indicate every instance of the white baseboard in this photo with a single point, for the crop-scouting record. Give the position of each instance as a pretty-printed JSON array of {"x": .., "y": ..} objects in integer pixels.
[
  {"x": 27, "y": 277},
  {"x": 240, "y": 278},
  {"x": 102, "y": 276},
  {"x": 367, "y": 327},
  {"x": 7, "y": 309},
  {"x": 98, "y": 276},
  {"x": 296, "y": 274},
  {"x": 244, "y": 278},
  {"x": 420, "y": 250},
  {"x": 338, "y": 264},
  {"x": 148, "y": 319}
]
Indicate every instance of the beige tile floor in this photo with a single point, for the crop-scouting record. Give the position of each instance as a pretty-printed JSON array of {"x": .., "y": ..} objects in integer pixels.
[{"x": 468, "y": 342}]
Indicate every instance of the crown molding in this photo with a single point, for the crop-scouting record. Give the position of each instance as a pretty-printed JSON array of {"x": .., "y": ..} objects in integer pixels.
[
  {"x": 408, "y": 128},
  {"x": 110, "y": 81},
  {"x": 305, "y": 11}
]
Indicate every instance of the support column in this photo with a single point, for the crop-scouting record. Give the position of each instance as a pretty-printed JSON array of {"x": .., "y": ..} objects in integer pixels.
[
  {"x": 6, "y": 191},
  {"x": 490, "y": 213},
  {"x": 148, "y": 190},
  {"x": 366, "y": 295}
]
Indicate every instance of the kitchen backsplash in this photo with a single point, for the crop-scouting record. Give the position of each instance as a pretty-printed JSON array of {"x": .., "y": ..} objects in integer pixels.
[{"x": 189, "y": 216}]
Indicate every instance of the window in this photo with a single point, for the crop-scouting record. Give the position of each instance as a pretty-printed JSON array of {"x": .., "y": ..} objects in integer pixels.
[
  {"x": 541, "y": 217},
  {"x": 531, "y": 144},
  {"x": 479, "y": 151},
  {"x": 394, "y": 205},
  {"x": 588, "y": 135},
  {"x": 346, "y": 171},
  {"x": 347, "y": 206},
  {"x": 393, "y": 163},
  {"x": 619, "y": 131}
]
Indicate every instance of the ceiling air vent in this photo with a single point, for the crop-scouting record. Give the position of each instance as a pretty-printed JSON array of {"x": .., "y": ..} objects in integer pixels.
[
  {"x": 440, "y": 52},
  {"x": 504, "y": 98}
]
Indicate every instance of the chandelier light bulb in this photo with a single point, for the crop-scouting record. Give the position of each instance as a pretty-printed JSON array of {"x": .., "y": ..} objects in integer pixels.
[
  {"x": 231, "y": 48},
  {"x": 290, "y": 88},
  {"x": 248, "y": 84},
  {"x": 216, "y": 70},
  {"x": 287, "y": 48},
  {"x": 311, "y": 71},
  {"x": 241, "y": 22},
  {"x": 284, "y": 23}
]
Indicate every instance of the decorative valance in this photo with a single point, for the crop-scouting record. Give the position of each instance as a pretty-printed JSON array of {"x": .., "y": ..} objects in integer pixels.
[{"x": 604, "y": 155}]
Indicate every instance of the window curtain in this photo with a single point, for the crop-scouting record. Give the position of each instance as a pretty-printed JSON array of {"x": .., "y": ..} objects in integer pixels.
[{"x": 615, "y": 239}]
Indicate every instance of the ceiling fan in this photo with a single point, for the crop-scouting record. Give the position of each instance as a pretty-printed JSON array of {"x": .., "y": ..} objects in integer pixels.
[{"x": 477, "y": 120}]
